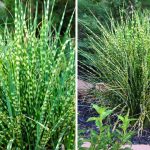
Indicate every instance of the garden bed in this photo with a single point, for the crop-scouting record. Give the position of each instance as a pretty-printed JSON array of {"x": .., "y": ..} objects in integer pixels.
[{"x": 85, "y": 111}]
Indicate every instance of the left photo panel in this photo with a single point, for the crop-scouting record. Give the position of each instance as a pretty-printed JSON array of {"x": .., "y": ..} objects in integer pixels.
[{"x": 37, "y": 74}]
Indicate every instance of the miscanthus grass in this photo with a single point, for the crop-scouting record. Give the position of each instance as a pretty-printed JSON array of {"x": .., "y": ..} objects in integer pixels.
[
  {"x": 120, "y": 58},
  {"x": 37, "y": 83}
]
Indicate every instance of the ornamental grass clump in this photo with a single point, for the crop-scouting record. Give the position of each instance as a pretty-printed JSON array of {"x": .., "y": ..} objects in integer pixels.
[
  {"x": 120, "y": 58},
  {"x": 37, "y": 83}
]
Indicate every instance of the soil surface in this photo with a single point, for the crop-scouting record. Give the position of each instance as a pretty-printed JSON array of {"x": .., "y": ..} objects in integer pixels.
[{"x": 85, "y": 111}]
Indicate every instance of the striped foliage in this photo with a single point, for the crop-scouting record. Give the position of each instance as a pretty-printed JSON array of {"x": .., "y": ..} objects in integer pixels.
[
  {"x": 37, "y": 83},
  {"x": 120, "y": 58}
]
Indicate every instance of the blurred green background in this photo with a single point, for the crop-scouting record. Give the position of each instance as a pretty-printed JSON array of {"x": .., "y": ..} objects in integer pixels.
[{"x": 102, "y": 9}]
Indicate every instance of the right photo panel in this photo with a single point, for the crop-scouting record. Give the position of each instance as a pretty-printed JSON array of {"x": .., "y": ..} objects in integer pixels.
[{"x": 113, "y": 75}]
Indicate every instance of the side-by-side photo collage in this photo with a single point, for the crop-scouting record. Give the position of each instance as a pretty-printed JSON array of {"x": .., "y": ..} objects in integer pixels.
[{"x": 74, "y": 74}]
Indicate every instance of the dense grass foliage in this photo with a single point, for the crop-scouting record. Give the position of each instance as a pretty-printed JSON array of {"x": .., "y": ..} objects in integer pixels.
[
  {"x": 9, "y": 11},
  {"x": 37, "y": 84},
  {"x": 120, "y": 58},
  {"x": 101, "y": 9}
]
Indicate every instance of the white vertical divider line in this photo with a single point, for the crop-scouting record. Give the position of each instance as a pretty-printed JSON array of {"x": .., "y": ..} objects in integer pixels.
[{"x": 76, "y": 74}]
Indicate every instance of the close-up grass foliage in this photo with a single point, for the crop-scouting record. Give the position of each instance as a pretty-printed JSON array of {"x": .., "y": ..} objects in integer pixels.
[
  {"x": 119, "y": 56},
  {"x": 37, "y": 83}
]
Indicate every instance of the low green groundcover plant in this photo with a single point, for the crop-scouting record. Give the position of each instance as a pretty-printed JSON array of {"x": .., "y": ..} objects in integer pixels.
[
  {"x": 37, "y": 83},
  {"x": 120, "y": 59},
  {"x": 109, "y": 137}
]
